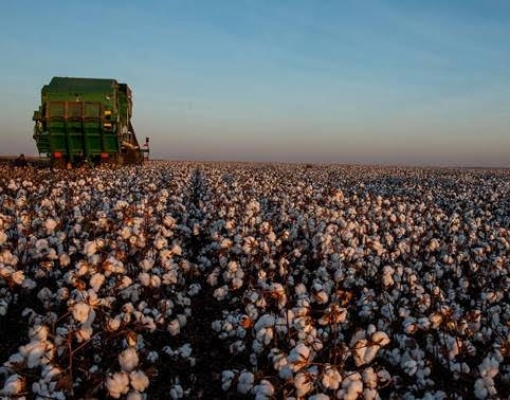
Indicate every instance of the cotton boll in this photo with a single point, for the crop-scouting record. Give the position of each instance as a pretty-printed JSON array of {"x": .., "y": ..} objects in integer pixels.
[
  {"x": 174, "y": 327},
  {"x": 226, "y": 379},
  {"x": 113, "y": 324},
  {"x": 64, "y": 260},
  {"x": 134, "y": 395},
  {"x": 380, "y": 338},
  {"x": 39, "y": 333},
  {"x": 264, "y": 390},
  {"x": 245, "y": 382},
  {"x": 359, "y": 352},
  {"x": 117, "y": 384},
  {"x": 13, "y": 386},
  {"x": 84, "y": 333},
  {"x": 138, "y": 380},
  {"x": 128, "y": 359},
  {"x": 331, "y": 378},
  {"x": 155, "y": 281},
  {"x": 90, "y": 248},
  {"x": 176, "y": 392},
  {"x": 370, "y": 378},
  {"x": 144, "y": 278},
  {"x": 96, "y": 281},
  {"x": 352, "y": 387},
  {"x": 302, "y": 383},
  {"x": 485, "y": 388},
  {"x": 299, "y": 356},
  {"x": 81, "y": 312}
]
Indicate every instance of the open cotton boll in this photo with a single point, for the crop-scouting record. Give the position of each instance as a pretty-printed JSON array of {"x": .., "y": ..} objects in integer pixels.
[
  {"x": 90, "y": 248},
  {"x": 352, "y": 387},
  {"x": 128, "y": 359},
  {"x": 117, "y": 384},
  {"x": 485, "y": 388},
  {"x": 96, "y": 281},
  {"x": 302, "y": 383},
  {"x": 135, "y": 395},
  {"x": 176, "y": 392},
  {"x": 245, "y": 382},
  {"x": 299, "y": 356},
  {"x": 50, "y": 224},
  {"x": 264, "y": 390},
  {"x": 138, "y": 380},
  {"x": 331, "y": 378},
  {"x": 81, "y": 312},
  {"x": 174, "y": 327},
  {"x": 227, "y": 377},
  {"x": 13, "y": 386}
]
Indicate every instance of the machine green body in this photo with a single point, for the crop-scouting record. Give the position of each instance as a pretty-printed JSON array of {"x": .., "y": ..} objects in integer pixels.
[{"x": 87, "y": 120}]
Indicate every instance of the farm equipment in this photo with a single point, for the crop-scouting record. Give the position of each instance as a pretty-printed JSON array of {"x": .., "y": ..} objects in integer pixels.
[{"x": 82, "y": 120}]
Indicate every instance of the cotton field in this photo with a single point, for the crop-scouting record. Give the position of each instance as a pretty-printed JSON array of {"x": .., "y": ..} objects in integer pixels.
[{"x": 251, "y": 281}]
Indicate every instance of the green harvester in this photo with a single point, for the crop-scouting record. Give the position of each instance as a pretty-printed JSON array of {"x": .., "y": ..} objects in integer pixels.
[{"x": 82, "y": 120}]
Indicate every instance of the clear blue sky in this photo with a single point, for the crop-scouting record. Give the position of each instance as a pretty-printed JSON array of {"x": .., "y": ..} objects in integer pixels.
[{"x": 356, "y": 81}]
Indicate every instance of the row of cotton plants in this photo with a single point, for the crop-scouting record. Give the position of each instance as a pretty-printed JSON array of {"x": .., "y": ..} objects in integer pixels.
[{"x": 217, "y": 280}]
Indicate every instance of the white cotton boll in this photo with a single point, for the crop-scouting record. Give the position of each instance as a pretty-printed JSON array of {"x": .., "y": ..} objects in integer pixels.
[
  {"x": 331, "y": 378},
  {"x": 171, "y": 277},
  {"x": 39, "y": 333},
  {"x": 484, "y": 388},
  {"x": 489, "y": 367},
  {"x": 380, "y": 338},
  {"x": 117, "y": 384},
  {"x": 321, "y": 297},
  {"x": 264, "y": 390},
  {"x": 138, "y": 380},
  {"x": 28, "y": 284},
  {"x": 176, "y": 392},
  {"x": 160, "y": 243},
  {"x": 90, "y": 248},
  {"x": 18, "y": 277},
  {"x": 128, "y": 359},
  {"x": 359, "y": 351},
  {"x": 299, "y": 357},
  {"x": 153, "y": 356},
  {"x": 84, "y": 333},
  {"x": 176, "y": 249},
  {"x": 245, "y": 382},
  {"x": 410, "y": 367},
  {"x": 64, "y": 260},
  {"x": 221, "y": 293},
  {"x": 266, "y": 320},
  {"x": 352, "y": 387},
  {"x": 13, "y": 385},
  {"x": 302, "y": 383},
  {"x": 50, "y": 224},
  {"x": 265, "y": 335},
  {"x": 155, "y": 281},
  {"x": 113, "y": 324},
  {"x": 144, "y": 278},
  {"x": 300, "y": 289},
  {"x": 147, "y": 264},
  {"x": 37, "y": 354},
  {"x": 3, "y": 237},
  {"x": 81, "y": 312},
  {"x": 134, "y": 395},
  {"x": 96, "y": 281},
  {"x": 174, "y": 327},
  {"x": 370, "y": 378},
  {"x": 194, "y": 289},
  {"x": 226, "y": 379},
  {"x": 49, "y": 372}
]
